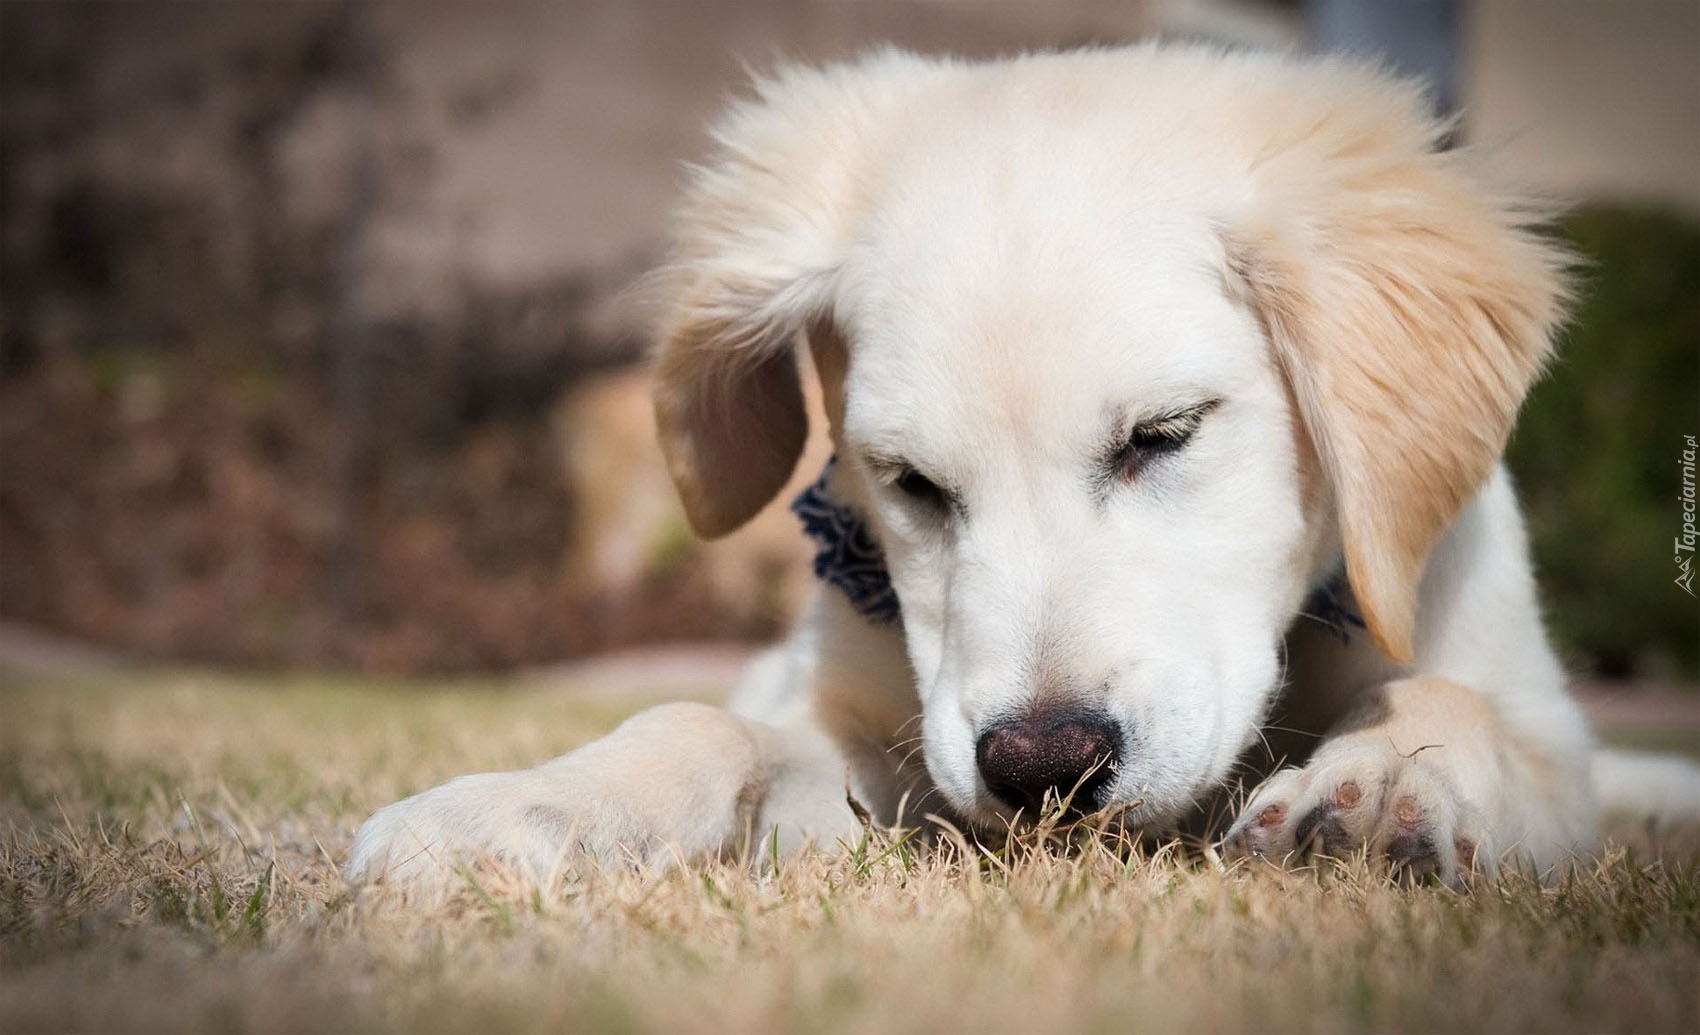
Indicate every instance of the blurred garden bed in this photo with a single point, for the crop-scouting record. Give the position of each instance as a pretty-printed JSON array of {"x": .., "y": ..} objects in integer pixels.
[{"x": 185, "y": 512}]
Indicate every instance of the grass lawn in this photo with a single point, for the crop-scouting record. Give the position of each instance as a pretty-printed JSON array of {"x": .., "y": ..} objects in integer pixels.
[{"x": 168, "y": 861}]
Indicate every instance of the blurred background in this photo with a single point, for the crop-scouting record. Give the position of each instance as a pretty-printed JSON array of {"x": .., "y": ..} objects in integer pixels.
[{"x": 314, "y": 353}]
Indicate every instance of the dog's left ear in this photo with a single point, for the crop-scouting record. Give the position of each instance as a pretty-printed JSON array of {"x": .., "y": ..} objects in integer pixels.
[
  {"x": 1410, "y": 304},
  {"x": 757, "y": 243}
]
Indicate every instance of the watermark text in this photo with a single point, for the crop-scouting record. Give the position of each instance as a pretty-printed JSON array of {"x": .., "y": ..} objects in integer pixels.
[{"x": 1685, "y": 542}]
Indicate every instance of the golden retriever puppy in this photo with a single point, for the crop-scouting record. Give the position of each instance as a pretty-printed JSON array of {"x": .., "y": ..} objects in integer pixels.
[{"x": 1168, "y": 389}]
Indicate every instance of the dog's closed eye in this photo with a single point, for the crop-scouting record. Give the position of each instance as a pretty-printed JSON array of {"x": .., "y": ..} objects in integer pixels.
[
  {"x": 920, "y": 488},
  {"x": 915, "y": 487},
  {"x": 1153, "y": 439}
]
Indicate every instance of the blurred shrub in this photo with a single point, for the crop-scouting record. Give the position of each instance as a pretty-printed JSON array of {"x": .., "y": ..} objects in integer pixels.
[{"x": 1597, "y": 450}]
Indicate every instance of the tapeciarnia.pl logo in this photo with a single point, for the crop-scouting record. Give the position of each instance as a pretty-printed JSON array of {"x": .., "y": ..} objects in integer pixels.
[{"x": 1685, "y": 541}]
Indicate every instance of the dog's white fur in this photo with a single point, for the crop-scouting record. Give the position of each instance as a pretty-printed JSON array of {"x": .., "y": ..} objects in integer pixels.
[{"x": 1002, "y": 269}]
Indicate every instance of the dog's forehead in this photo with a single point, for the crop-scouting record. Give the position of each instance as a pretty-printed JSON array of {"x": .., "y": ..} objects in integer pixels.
[{"x": 998, "y": 289}]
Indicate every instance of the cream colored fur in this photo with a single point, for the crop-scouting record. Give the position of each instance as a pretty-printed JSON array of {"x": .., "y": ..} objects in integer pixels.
[{"x": 1000, "y": 269}]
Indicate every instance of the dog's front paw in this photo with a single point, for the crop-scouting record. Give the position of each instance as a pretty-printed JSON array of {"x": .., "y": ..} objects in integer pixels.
[
  {"x": 1421, "y": 776},
  {"x": 432, "y": 834},
  {"x": 674, "y": 783},
  {"x": 1358, "y": 795}
]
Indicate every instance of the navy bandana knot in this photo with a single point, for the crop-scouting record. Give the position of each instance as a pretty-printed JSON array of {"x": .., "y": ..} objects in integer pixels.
[
  {"x": 1324, "y": 605},
  {"x": 846, "y": 554},
  {"x": 848, "y": 557}
]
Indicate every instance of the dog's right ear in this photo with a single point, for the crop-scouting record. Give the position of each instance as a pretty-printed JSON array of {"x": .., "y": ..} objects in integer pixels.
[{"x": 757, "y": 243}]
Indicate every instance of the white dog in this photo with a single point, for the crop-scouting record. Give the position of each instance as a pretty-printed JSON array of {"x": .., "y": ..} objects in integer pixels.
[{"x": 1168, "y": 389}]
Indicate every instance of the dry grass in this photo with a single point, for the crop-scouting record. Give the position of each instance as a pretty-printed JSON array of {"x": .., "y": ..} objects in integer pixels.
[{"x": 167, "y": 862}]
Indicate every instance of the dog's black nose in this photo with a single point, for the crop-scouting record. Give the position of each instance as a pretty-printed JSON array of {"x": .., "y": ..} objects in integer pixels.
[{"x": 1064, "y": 752}]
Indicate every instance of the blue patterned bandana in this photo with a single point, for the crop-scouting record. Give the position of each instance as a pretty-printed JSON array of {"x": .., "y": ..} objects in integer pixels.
[
  {"x": 846, "y": 553},
  {"x": 1324, "y": 605},
  {"x": 848, "y": 557}
]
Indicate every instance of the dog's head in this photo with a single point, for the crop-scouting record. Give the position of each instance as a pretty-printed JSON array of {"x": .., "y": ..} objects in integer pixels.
[{"x": 1123, "y": 352}]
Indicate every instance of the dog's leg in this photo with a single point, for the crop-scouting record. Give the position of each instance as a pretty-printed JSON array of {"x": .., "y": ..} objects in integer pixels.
[
  {"x": 1437, "y": 774},
  {"x": 674, "y": 783},
  {"x": 1424, "y": 773}
]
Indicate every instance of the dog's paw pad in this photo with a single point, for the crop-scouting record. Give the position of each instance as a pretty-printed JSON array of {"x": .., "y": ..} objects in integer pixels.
[
  {"x": 1408, "y": 811},
  {"x": 1466, "y": 851},
  {"x": 1347, "y": 795},
  {"x": 1322, "y": 830},
  {"x": 1414, "y": 856}
]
